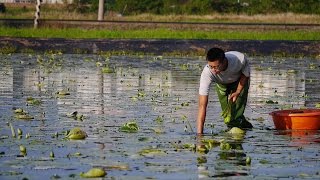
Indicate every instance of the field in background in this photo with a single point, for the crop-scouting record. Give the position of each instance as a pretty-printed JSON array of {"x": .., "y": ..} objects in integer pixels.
[{"x": 26, "y": 11}]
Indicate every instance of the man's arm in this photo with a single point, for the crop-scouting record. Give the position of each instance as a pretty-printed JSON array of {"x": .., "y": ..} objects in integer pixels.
[
  {"x": 242, "y": 82},
  {"x": 202, "y": 111}
]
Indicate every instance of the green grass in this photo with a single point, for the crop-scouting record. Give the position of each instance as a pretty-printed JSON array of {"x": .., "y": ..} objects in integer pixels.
[{"x": 75, "y": 33}]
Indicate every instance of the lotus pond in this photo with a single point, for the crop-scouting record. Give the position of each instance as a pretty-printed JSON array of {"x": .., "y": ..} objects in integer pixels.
[{"x": 136, "y": 117}]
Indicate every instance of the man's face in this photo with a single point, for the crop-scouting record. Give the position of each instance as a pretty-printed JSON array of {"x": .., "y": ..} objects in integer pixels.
[{"x": 215, "y": 66}]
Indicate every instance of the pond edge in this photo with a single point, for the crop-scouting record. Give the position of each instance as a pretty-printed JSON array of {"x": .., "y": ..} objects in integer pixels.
[{"x": 163, "y": 47}]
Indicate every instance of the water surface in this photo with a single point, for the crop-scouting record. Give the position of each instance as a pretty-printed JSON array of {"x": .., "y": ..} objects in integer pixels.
[{"x": 161, "y": 96}]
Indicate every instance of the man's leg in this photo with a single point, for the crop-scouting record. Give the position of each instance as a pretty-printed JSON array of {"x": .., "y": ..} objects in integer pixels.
[{"x": 237, "y": 108}]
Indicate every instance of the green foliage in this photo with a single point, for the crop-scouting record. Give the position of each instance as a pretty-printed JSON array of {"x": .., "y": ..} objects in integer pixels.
[
  {"x": 198, "y": 7},
  {"x": 131, "y": 7}
]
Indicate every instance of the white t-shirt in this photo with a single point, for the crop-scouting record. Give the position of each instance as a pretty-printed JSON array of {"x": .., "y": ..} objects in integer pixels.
[{"x": 237, "y": 64}]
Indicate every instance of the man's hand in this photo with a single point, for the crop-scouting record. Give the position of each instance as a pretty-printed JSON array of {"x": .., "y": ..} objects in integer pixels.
[{"x": 234, "y": 96}]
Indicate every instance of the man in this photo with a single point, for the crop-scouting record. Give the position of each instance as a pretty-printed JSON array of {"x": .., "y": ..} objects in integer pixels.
[{"x": 231, "y": 72}]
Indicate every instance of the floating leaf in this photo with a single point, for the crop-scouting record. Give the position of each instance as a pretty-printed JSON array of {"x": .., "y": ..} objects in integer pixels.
[
  {"x": 225, "y": 146},
  {"x": 32, "y": 101},
  {"x": 248, "y": 160},
  {"x": 159, "y": 119},
  {"x": 129, "y": 127},
  {"x": 52, "y": 154},
  {"x": 151, "y": 152},
  {"x": 185, "y": 104},
  {"x": 292, "y": 71},
  {"x": 63, "y": 93},
  {"x": 93, "y": 173},
  {"x": 24, "y": 116},
  {"x": 76, "y": 133},
  {"x": 202, "y": 149},
  {"x": 236, "y": 130},
  {"x": 22, "y": 149},
  {"x": 19, "y": 111},
  {"x": 210, "y": 143},
  {"x": 19, "y": 131},
  {"x": 107, "y": 70}
]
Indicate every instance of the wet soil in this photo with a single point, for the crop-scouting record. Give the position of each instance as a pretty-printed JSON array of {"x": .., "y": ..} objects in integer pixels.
[{"x": 160, "y": 47}]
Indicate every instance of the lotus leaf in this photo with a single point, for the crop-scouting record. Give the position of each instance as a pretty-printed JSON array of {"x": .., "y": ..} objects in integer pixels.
[
  {"x": 93, "y": 173},
  {"x": 202, "y": 149},
  {"x": 107, "y": 70},
  {"x": 151, "y": 152},
  {"x": 22, "y": 149},
  {"x": 63, "y": 93},
  {"x": 210, "y": 143},
  {"x": 248, "y": 160},
  {"x": 24, "y": 116},
  {"x": 20, "y": 111},
  {"x": 225, "y": 146},
  {"x": 76, "y": 133},
  {"x": 236, "y": 130},
  {"x": 52, "y": 154},
  {"x": 19, "y": 131},
  {"x": 32, "y": 101},
  {"x": 129, "y": 127}
]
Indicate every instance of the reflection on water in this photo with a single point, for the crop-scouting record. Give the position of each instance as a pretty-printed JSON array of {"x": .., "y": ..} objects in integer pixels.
[{"x": 161, "y": 96}]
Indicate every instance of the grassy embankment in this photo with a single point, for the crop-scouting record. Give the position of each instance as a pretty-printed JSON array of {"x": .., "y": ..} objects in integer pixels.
[
  {"x": 60, "y": 12},
  {"x": 160, "y": 34}
]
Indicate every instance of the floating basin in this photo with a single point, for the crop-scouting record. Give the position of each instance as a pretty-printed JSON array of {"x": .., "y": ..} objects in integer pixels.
[{"x": 300, "y": 119}]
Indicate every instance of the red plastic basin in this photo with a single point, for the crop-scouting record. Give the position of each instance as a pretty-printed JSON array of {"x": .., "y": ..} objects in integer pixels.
[{"x": 307, "y": 119}]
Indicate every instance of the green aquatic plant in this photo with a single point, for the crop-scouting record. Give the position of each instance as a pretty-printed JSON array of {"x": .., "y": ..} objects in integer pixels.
[
  {"x": 151, "y": 152},
  {"x": 33, "y": 101},
  {"x": 159, "y": 119},
  {"x": 210, "y": 143},
  {"x": 19, "y": 131},
  {"x": 107, "y": 70},
  {"x": 129, "y": 127},
  {"x": 318, "y": 105},
  {"x": 23, "y": 149},
  {"x": 202, "y": 149},
  {"x": 51, "y": 154},
  {"x": 225, "y": 146},
  {"x": 93, "y": 173},
  {"x": 75, "y": 115},
  {"x": 227, "y": 113},
  {"x": 236, "y": 130},
  {"x": 76, "y": 134},
  {"x": 63, "y": 93},
  {"x": 13, "y": 132},
  {"x": 248, "y": 160},
  {"x": 22, "y": 114}
]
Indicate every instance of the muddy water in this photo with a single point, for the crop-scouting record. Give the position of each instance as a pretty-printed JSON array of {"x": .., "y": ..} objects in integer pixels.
[{"x": 160, "y": 95}]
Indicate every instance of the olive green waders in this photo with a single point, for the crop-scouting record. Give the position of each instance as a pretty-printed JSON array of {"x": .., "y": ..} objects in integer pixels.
[{"x": 238, "y": 107}]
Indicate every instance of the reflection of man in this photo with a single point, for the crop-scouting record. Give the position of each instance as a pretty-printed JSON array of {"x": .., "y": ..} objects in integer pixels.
[{"x": 230, "y": 71}]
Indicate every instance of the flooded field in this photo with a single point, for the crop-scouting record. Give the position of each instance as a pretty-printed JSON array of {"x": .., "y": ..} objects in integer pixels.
[{"x": 99, "y": 94}]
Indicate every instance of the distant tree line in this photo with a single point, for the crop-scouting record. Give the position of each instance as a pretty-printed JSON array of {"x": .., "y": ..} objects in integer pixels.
[{"x": 201, "y": 7}]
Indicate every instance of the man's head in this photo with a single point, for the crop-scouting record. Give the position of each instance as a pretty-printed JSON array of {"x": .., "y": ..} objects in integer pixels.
[{"x": 216, "y": 60}]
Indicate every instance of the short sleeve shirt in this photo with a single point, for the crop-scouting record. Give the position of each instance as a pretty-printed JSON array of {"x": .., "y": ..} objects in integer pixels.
[{"x": 237, "y": 64}]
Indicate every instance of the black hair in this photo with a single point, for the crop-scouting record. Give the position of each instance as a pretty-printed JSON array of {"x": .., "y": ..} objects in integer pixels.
[{"x": 215, "y": 54}]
